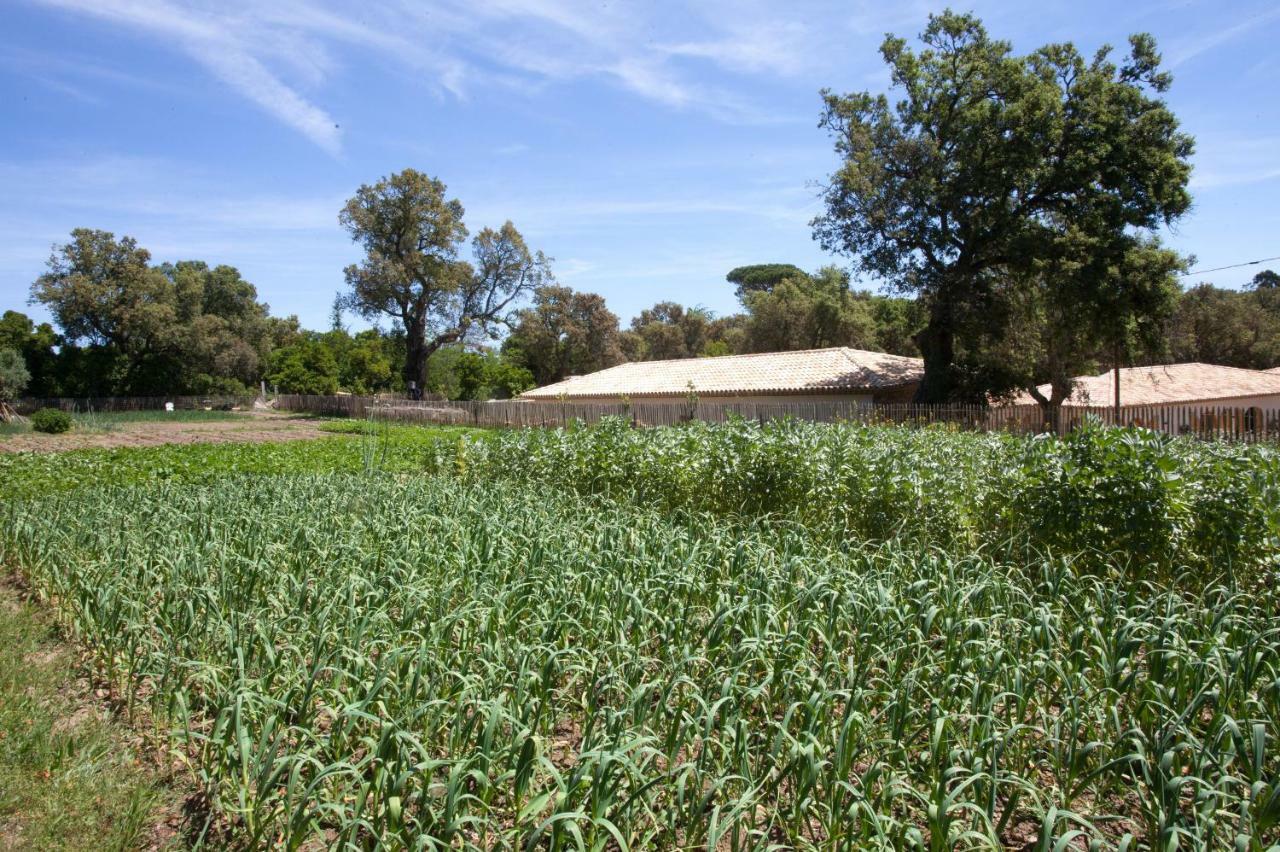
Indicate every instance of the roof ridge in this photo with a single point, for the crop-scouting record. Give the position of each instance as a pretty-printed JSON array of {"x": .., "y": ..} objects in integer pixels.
[
  {"x": 848, "y": 349},
  {"x": 736, "y": 355},
  {"x": 1191, "y": 364}
]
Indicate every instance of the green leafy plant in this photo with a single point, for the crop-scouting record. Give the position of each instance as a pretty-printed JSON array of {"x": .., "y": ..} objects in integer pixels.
[
  {"x": 1107, "y": 496},
  {"x": 737, "y": 636},
  {"x": 51, "y": 421}
]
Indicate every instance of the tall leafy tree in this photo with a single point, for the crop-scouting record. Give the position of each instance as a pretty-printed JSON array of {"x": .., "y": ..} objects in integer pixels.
[
  {"x": 758, "y": 277},
  {"x": 564, "y": 332},
  {"x": 669, "y": 330},
  {"x": 222, "y": 336},
  {"x": 807, "y": 312},
  {"x": 1080, "y": 309},
  {"x": 987, "y": 164},
  {"x": 307, "y": 366},
  {"x": 412, "y": 235},
  {"x": 1267, "y": 279},
  {"x": 130, "y": 327},
  {"x": 35, "y": 343},
  {"x": 1231, "y": 327},
  {"x": 13, "y": 378},
  {"x": 103, "y": 292}
]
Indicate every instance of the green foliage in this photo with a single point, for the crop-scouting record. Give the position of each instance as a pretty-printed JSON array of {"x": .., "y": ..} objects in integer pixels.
[
  {"x": 1130, "y": 497},
  {"x": 808, "y": 312},
  {"x": 1236, "y": 328},
  {"x": 1000, "y": 180},
  {"x": 367, "y": 660},
  {"x": 669, "y": 330},
  {"x": 563, "y": 333},
  {"x": 457, "y": 373},
  {"x": 35, "y": 343},
  {"x": 306, "y": 367},
  {"x": 411, "y": 234},
  {"x": 52, "y": 421},
  {"x": 402, "y": 449},
  {"x": 130, "y": 328},
  {"x": 13, "y": 374},
  {"x": 761, "y": 277},
  {"x": 1267, "y": 279}
]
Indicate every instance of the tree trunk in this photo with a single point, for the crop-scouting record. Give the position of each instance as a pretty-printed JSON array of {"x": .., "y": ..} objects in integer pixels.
[
  {"x": 1051, "y": 412},
  {"x": 937, "y": 344},
  {"x": 415, "y": 358},
  {"x": 1051, "y": 406}
]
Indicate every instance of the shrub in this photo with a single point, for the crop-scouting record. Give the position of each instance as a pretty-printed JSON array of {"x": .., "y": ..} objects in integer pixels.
[
  {"x": 1113, "y": 496},
  {"x": 51, "y": 420},
  {"x": 13, "y": 374}
]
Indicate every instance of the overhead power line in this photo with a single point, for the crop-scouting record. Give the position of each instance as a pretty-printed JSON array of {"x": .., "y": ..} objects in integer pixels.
[{"x": 1232, "y": 266}]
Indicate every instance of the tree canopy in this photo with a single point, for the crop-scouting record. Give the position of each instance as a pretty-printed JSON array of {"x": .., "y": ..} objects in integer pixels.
[
  {"x": 759, "y": 277},
  {"x": 134, "y": 328},
  {"x": 13, "y": 375},
  {"x": 412, "y": 235},
  {"x": 994, "y": 174},
  {"x": 563, "y": 333}
]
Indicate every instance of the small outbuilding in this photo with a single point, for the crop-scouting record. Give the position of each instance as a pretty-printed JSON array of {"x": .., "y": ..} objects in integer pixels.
[{"x": 808, "y": 375}]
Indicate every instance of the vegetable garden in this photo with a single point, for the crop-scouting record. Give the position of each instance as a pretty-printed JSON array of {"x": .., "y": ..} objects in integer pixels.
[{"x": 728, "y": 636}]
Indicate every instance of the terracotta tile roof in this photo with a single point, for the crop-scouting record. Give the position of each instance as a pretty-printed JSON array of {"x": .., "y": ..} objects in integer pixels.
[
  {"x": 836, "y": 370},
  {"x": 1171, "y": 383}
]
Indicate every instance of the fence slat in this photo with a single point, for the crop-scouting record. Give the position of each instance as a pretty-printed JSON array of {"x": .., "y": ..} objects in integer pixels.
[{"x": 1202, "y": 421}]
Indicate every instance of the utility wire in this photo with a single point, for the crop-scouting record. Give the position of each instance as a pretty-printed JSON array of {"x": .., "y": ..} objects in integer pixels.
[{"x": 1232, "y": 266}]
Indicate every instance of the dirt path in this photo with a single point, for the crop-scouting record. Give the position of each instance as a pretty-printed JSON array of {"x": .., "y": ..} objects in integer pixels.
[{"x": 250, "y": 427}]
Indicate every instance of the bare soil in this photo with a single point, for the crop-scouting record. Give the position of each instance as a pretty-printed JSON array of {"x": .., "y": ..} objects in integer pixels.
[{"x": 248, "y": 428}]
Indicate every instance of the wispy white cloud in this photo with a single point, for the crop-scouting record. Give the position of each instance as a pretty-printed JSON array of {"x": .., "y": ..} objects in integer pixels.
[
  {"x": 1238, "y": 177},
  {"x": 768, "y": 46},
  {"x": 1235, "y": 160},
  {"x": 280, "y": 55},
  {"x": 1203, "y": 42},
  {"x": 226, "y": 50}
]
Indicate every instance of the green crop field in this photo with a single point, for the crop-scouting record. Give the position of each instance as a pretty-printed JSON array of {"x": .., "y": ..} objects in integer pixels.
[{"x": 727, "y": 637}]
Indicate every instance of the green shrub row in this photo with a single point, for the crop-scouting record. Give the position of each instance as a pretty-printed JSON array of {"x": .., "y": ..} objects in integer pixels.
[{"x": 1124, "y": 495}]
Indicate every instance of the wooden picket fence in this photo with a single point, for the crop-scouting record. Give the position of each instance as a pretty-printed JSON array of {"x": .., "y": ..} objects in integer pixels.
[
  {"x": 131, "y": 403},
  {"x": 1203, "y": 421},
  {"x": 348, "y": 405}
]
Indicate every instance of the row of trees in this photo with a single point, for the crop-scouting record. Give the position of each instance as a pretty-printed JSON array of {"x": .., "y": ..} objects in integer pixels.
[
  {"x": 196, "y": 329},
  {"x": 1013, "y": 201},
  {"x": 125, "y": 326},
  {"x": 565, "y": 332}
]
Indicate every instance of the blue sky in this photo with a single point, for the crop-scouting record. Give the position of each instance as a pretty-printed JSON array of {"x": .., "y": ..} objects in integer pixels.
[{"x": 648, "y": 147}]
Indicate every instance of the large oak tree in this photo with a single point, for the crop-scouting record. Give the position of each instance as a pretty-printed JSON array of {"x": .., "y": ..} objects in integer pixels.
[
  {"x": 132, "y": 328},
  {"x": 564, "y": 333},
  {"x": 412, "y": 235},
  {"x": 988, "y": 164}
]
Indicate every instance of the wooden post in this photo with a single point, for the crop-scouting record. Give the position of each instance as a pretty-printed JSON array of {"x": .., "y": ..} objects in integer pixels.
[{"x": 1116, "y": 374}]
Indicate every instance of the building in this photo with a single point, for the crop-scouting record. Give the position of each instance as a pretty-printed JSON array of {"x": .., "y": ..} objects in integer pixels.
[
  {"x": 1178, "y": 385},
  {"x": 810, "y": 375}
]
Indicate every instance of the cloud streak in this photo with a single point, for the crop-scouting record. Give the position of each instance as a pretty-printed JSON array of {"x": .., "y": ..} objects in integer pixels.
[
  {"x": 1188, "y": 50},
  {"x": 225, "y": 51},
  {"x": 279, "y": 55}
]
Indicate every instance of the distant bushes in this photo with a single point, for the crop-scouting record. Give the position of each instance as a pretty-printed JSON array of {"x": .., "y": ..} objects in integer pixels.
[
  {"x": 51, "y": 421},
  {"x": 1120, "y": 495}
]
